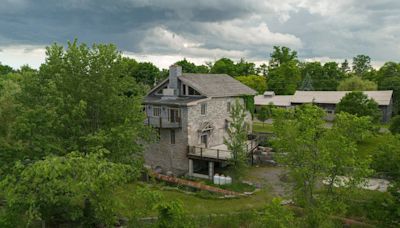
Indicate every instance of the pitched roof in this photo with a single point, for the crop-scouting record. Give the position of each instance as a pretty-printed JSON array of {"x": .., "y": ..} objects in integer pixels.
[
  {"x": 216, "y": 85},
  {"x": 277, "y": 100},
  {"x": 382, "y": 97}
]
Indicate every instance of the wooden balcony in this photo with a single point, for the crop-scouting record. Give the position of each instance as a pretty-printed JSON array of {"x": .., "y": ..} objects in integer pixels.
[
  {"x": 217, "y": 153},
  {"x": 159, "y": 122}
]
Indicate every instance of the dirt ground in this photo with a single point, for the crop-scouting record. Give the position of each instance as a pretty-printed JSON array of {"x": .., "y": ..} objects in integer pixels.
[{"x": 270, "y": 177}]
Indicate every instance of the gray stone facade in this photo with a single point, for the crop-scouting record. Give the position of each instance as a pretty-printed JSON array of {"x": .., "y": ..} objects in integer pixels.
[{"x": 202, "y": 121}]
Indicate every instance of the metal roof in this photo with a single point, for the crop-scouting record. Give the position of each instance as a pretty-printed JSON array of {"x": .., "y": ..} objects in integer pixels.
[
  {"x": 382, "y": 97},
  {"x": 277, "y": 100}
]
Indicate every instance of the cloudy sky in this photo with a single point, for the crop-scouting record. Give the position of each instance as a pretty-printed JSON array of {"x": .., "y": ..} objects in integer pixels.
[{"x": 164, "y": 31}]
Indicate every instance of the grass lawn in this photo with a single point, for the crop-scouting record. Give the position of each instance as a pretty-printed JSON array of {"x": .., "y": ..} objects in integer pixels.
[
  {"x": 194, "y": 204},
  {"x": 371, "y": 145},
  {"x": 260, "y": 127}
]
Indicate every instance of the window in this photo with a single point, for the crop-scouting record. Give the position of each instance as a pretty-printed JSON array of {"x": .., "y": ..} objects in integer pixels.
[
  {"x": 172, "y": 134},
  {"x": 226, "y": 125},
  {"x": 204, "y": 139},
  {"x": 203, "y": 109},
  {"x": 184, "y": 89},
  {"x": 156, "y": 111},
  {"x": 174, "y": 116},
  {"x": 193, "y": 91},
  {"x": 228, "y": 107},
  {"x": 330, "y": 111}
]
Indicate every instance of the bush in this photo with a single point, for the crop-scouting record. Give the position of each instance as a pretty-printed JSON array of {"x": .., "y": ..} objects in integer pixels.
[{"x": 395, "y": 125}]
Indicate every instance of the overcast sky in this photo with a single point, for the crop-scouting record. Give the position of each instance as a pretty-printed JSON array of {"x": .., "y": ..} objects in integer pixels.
[{"x": 164, "y": 31}]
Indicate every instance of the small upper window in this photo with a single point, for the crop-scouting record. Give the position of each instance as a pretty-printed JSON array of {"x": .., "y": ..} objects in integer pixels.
[
  {"x": 228, "y": 107},
  {"x": 193, "y": 91},
  {"x": 203, "y": 109},
  {"x": 156, "y": 111}
]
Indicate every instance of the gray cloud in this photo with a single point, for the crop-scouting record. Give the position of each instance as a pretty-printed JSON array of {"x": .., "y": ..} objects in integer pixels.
[{"x": 210, "y": 28}]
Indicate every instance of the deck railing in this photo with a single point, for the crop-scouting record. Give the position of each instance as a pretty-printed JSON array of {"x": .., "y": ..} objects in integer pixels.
[{"x": 160, "y": 122}]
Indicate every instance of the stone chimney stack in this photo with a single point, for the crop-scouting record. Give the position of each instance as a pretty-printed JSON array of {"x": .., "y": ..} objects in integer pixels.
[{"x": 172, "y": 91}]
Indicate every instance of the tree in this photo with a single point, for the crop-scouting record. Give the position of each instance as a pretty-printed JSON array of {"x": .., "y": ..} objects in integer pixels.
[
  {"x": 277, "y": 216},
  {"x": 245, "y": 68},
  {"x": 361, "y": 65},
  {"x": 345, "y": 67},
  {"x": 386, "y": 159},
  {"x": 389, "y": 79},
  {"x": 189, "y": 67},
  {"x": 284, "y": 73},
  {"x": 307, "y": 83},
  {"x": 282, "y": 55},
  {"x": 357, "y": 103},
  {"x": 5, "y": 69},
  {"x": 262, "y": 70},
  {"x": 395, "y": 125},
  {"x": 284, "y": 79},
  {"x": 258, "y": 83},
  {"x": 265, "y": 113},
  {"x": 73, "y": 188},
  {"x": 313, "y": 153},
  {"x": 172, "y": 215},
  {"x": 224, "y": 66},
  {"x": 81, "y": 100},
  {"x": 237, "y": 139},
  {"x": 355, "y": 83}
]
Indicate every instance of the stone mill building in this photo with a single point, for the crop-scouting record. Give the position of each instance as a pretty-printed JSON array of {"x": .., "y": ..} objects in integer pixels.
[{"x": 191, "y": 114}]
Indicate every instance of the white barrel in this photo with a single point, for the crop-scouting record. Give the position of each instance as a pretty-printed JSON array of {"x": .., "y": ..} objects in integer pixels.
[
  {"x": 216, "y": 178},
  {"x": 228, "y": 180},
  {"x": 222, "y": 180}
]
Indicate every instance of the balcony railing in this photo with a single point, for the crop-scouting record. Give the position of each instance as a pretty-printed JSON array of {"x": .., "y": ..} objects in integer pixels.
[
  {"x": 160, "y": 122},
  {"x": 213, "y": 153}
]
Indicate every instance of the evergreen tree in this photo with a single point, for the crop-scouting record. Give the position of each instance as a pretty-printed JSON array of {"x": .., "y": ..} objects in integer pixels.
[{"x": 307, "y": 83}]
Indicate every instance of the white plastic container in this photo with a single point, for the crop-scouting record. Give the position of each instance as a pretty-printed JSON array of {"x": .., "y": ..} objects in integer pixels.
[
  {"x": 222, "y": 180},
  {"x": 228, "y": 180},
  {"x": 216, "y": 179}
]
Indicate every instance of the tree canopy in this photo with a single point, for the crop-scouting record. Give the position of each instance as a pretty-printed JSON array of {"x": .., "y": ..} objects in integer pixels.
[
  {"x": 355, "y": 83},
  {"x": 256, "y": 82},
  {"x": 357, "y": 103}
]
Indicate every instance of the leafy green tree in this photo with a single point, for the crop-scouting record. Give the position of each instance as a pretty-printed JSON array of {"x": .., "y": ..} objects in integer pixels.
[
  {"x": 258, "y": 83},
  {"x": 357, "y": 103},
  {"x": 277, "y": 216},
  {"x": 355, "y": 83},
  {"x": 389, "y": 79},
  {"x": 245, "y": 68},
  {"x": 172, "y": 215},
  {"x": 361, "y": 65},
  {"x": 307, "y": 83},
  {"x": 237, "y": 139},
  {"x": 313, "y": 153},
  {"x": 81, "y": 100},
  {"x": 224, "y": 66},
  {"x": 262, "y": 70},
  {"x": 282, "y": 55},
  {"x": 345, "y": 67},
  {"x": 395, "y": 125},
  {"x": 73, "y": 188},
  {"x": 284, "y": 79},
  {"x": 189, "y": 67},
  {"x": 386, "y": 159},
  {"x": 5, "y": 69},
  {"x": 264, "y": 113},
  {"x": 283, "y": 73}
]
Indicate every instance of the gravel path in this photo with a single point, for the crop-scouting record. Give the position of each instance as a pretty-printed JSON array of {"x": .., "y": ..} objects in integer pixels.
[{"x": 270, "y": 177}]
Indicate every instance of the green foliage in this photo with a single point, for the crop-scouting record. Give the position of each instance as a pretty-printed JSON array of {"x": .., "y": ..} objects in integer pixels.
[
  {"x": 249, "y": 103},
  {"x": 277, "y": 216},
  {"x": 237, "y": 139},
  {"x": 357, "y": 103},
  {"x": 189, "y": 67},
  {"x": 389, "y": 79},
  {"x": 227, "y": 66},
  {"x": 73, "y": 188},
  {"x": 258, "y": 83},
  {"x": 386, "y": 159},
  {"x": 145, "y": 73},
  {"x": 5, "y": 69},
  {"x": 361, "y": 65},
  {"x": 284, "y": 73},
  {"x": 324, "y": 77},
  {"x": 172, "y": 215},
  {"x": 313, "y": 153},
  {"x": 265, "y": 112},
  {"x": 307, "y": 84},
  {"x": 80, "y": 100},
  {"x": 355, "y": 83},
  {"x": 395, "y": 125}
]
